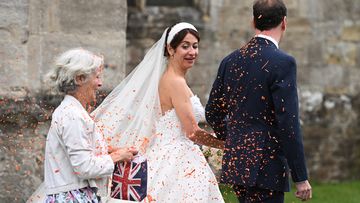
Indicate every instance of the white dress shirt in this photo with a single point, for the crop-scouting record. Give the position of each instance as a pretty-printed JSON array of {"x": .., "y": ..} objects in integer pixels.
[{"x": 268, "y": 38}]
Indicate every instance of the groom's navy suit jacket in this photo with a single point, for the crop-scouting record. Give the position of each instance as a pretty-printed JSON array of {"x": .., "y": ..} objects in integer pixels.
[{"x": 253, "y": 106}]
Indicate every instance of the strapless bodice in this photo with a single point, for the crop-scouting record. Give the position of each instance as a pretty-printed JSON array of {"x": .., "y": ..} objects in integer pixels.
[{"x": 168, "y": 127}]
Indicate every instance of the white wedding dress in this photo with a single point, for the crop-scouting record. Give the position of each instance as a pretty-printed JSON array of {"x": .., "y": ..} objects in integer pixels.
[{"x": 178, "y": 170}]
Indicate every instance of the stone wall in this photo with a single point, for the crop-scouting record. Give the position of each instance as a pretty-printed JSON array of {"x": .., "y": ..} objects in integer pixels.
[
  {"x": 32, "y": 33},
  {"x": 323, "y": 35}
]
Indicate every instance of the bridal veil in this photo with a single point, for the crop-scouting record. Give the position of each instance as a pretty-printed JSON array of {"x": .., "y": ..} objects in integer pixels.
[{"x": 128, "y": 114}]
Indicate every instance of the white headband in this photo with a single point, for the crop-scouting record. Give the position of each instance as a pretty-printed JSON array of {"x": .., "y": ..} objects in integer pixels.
[{"x": 177, "y": 28}]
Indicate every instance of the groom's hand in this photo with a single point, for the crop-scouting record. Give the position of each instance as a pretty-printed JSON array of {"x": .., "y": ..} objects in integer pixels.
[{"x": 303, "y": 190}]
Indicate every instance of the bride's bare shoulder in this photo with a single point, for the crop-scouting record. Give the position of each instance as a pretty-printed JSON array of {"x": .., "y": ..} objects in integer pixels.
[
  {"x": 167, "y": 82},
  {"x": 172, "y": 80},
  {"x": 169, "y": 88}
]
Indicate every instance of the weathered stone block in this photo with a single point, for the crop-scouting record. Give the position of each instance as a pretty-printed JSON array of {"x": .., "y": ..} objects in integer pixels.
[
  {"x": 14, "y": 19},
  {"x": 13, "y": 71},
  {"x": 91, "y": 16},
  {"x": 42, "y": 16},
  {"x": 351, "y": 33},
  {"x": 13, "y": 33},
  {"x": 339, "y": 10},
  {"x": 341, "y": 53},
  {"x": 45, "y": 48}
]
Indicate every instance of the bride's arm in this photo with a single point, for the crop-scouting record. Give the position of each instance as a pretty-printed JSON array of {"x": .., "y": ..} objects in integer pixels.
[
  {"x": 180, "y": 98},
  {"x": 203, "y": 137}
]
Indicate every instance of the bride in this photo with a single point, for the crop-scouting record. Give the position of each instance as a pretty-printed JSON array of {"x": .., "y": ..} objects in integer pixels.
[{"x": 154, "y": 109}]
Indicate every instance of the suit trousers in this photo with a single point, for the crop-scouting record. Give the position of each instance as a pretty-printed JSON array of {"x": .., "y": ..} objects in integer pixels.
[{"x": 258, "y": 195}]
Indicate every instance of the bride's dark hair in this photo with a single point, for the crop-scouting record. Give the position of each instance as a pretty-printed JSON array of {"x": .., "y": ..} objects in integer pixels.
[{"x": 175, "y": 42}]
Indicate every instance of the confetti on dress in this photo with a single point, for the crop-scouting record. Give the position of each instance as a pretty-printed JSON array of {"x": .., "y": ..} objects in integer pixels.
[{"x": 178, "y": 170}]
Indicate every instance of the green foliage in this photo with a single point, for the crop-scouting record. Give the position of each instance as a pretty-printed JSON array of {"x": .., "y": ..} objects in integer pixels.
[{"x": 348, "y": 192}]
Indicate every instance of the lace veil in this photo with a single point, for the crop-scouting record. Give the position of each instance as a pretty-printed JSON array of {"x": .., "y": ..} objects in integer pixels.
[{"x": 128, "y": 114}]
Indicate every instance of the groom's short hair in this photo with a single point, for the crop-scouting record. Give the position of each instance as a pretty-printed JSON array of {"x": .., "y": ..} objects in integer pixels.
[{"x": 268, "y": 13}]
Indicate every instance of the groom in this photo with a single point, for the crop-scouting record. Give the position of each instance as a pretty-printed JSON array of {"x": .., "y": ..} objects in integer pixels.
[{"x": 253, "y": 106}]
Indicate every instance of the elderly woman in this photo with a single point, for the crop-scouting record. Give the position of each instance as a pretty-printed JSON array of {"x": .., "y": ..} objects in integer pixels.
[{"x": 78, "y": 162}]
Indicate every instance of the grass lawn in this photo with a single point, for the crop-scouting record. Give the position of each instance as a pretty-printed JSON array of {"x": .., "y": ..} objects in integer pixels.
[{"x": 348, "y": 192}]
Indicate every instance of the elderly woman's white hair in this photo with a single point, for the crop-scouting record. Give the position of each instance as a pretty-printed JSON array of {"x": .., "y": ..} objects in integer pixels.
[{"x": 70, "y": 64}]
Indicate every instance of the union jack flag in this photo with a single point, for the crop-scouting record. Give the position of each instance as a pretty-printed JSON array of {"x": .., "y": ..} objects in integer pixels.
[{"x": 129, "y": 180}]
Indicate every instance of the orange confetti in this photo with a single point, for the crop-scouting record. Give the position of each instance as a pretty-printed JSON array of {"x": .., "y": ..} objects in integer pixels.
[
  {"x": 265, "y": 64},
  {"x": 150, "y": 198},
  {"x": 189, "y": 174},
  {"x": 144, "y": 144},
  {"x": 108, "y": 139}
]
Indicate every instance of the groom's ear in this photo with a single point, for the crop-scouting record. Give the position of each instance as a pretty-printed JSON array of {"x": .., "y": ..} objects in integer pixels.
[{"x": 284, "y": 24}]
